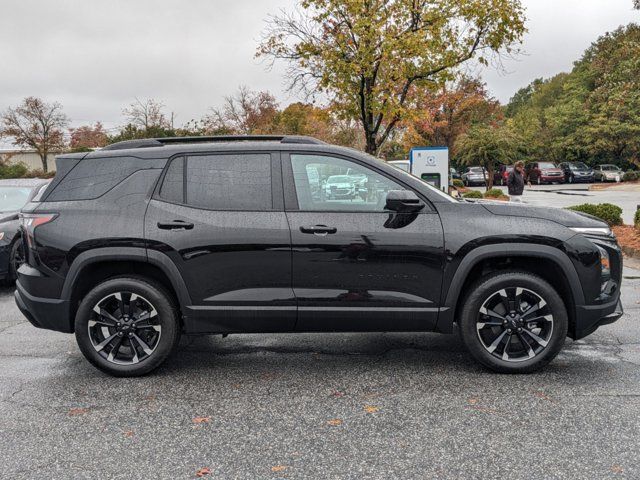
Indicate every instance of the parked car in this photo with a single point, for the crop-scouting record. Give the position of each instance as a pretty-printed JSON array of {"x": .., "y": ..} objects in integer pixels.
[
  {"x": 340, "y": 186},
  {"x": 135, "y": 244},
  {"x": 608, "y": 173},
  {"x": 14, "y": 194},
  {"x": 474, "y": 176},
  {"x": 543, "y": 172},
  {"x": 575, "y": 172},
  {"x": 502, "y": 174}
]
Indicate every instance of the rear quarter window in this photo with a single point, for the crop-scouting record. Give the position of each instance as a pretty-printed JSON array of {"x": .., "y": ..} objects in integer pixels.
[{"x": 93, "y": 177}]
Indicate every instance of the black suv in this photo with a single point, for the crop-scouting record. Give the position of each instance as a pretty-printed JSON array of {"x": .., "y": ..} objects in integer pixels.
[{"x": 133, "y": 245}]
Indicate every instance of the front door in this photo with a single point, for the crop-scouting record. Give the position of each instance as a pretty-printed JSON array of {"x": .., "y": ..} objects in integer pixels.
[
  {"x": 220, "y": 219},
  {"x": 357, "y": 266}
]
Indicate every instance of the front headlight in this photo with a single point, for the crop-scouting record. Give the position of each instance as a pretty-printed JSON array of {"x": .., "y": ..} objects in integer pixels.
[
  {"x": 605, "y": 263},
  {"x": 597, "y": 231}
]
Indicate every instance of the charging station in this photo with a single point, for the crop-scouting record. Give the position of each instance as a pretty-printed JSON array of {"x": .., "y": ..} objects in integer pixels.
[{"x": 431, "y": 164}]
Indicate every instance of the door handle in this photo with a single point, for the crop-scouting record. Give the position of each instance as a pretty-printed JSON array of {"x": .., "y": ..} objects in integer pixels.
[
  {"x": 320, "y": 230},
  {"x": 175, "y": 225}
]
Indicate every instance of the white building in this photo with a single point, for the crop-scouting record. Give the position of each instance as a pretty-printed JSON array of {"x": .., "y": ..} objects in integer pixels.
[{"x": 29, "y": 157}]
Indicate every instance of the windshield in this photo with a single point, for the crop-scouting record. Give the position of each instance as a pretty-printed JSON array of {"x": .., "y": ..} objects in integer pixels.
[
  {"x": 339, "y": 179},
  {"x": 546, "y": 165},
  {"x": 13, "y": 198},
  {"x": 609, "y": 167},
  {"x": 578, "y": 166}
]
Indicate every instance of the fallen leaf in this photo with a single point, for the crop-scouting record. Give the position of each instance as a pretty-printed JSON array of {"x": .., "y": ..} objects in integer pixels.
[
  {"x": 201, "y": 419},
  {"x": 74, "y": 412},
  {"x": 617, "y": 469},
  {"x": 203, "y": 471},
  {"x": 129, "y": 433},
  {"x": 279, "y": 468},
  {"x": 335, "y": 422},
  {"x": 472, "y": 401},
  {"x": 371, "y": 409},
  {"x": 338, "y": 393},
  {"x": 543, "y": 396}
]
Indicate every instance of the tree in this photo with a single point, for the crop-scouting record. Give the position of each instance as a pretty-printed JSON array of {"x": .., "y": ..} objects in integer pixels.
[
  {"x": 36, "y": 124},
  {"x": 488, "y": 146},
  {"x": 372, "y": 56},
  {"x": 146, "y": 114},
  {"x": 87, "y": 137},
  {"x": 441, "y": 117},
  {"x": 244, "y": 113}
]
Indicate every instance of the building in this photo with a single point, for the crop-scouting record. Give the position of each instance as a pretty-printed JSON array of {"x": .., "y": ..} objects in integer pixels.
[{"x": 29, "y": 157}]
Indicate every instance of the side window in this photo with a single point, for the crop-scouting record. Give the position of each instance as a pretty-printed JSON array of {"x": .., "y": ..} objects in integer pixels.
[
  {"x": 238, "y": 181},
  {"x": 332, "y": 184},
  {"x": 172, "y": 189}
]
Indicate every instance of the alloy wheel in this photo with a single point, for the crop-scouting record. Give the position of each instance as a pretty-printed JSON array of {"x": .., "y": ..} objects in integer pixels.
[
  {"x": 514, "y": 324},
  {"x": 124, "y": 328}
]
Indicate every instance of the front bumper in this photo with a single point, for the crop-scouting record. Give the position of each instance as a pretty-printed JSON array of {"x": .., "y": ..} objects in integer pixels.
[
  {"x": 48, "y": 313},
  {"x": 552, "y": 178},
  {"x": 583, "y": 178},
  {"x": 591, "y": 317}
]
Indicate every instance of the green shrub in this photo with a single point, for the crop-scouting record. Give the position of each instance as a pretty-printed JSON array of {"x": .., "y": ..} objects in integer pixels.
[
  {"x": 472, "y": 194},
  {"x": 494, "y": 193},
  {"x": 636, "y": 219},
  {"x": 13, "y": 170},
  {"x": 612, "y": 214},
  {"x": 630, "y": 176},
  {"x": 458, "y": 183}
]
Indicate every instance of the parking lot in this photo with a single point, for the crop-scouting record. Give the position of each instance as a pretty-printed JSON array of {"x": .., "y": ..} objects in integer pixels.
[
  {"x": 321, "y": 406},
  {"x": 626, "y": 196}
]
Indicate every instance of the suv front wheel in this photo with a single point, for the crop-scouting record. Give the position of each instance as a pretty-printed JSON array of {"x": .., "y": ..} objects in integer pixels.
[
  {"x": 513, "y": 322},
  {"x": 127, "y": 326}
]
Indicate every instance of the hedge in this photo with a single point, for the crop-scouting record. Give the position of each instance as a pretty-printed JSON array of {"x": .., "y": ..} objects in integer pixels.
[
  {"x": 630, "y": 176},
  {"x": 16, "y": 170},
  {"x": 494, "y": 193},
  {"x": 636, "y": 219},
  {"x": 612, "y": 214},
  {"x": 472, "y": 194},
  {"x": 458, "y": 183}
]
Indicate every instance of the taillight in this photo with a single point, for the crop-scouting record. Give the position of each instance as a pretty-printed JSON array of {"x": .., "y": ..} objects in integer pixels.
[{"x": 31, "y": 221}]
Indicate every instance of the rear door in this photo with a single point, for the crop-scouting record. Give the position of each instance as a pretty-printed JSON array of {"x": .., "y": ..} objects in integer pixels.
[
  {"x": 357, "y": 266},
  {"x": 219, "y": 217}
]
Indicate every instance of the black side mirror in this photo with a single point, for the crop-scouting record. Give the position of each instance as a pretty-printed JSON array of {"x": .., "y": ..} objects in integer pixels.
[{"x": 403, "y": 201}]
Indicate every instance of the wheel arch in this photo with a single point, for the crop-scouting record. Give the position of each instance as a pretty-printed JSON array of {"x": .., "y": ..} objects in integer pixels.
[
  {"x": 92, "y": 267},
  {"x": 537, "y": 259}
]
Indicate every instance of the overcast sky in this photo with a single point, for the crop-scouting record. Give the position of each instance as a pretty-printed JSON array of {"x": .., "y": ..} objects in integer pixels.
[{"x": 96, "y": 56}]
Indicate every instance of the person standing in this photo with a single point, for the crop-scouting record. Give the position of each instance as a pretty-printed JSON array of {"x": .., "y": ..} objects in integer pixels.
[{"x": 515, "y": 182}]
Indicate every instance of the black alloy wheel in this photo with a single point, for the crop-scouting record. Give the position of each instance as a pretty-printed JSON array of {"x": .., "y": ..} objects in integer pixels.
[
  {"x": 127, "y": 326},
  {"x": 513, "y": 322}
]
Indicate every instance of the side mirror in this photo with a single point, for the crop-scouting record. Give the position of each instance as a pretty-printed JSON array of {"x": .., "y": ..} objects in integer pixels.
[{"x": 403, "y": 201}]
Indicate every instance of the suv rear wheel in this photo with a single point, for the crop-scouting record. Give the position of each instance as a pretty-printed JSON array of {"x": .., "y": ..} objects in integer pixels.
[
  {"x": 513, "y": 322},
  {"x": 127, "y": 326}
]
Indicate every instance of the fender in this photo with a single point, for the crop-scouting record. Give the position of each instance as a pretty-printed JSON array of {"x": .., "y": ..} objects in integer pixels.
[
  {"x": 453, "y": 293},
  {"x": 127, "y": 254}
]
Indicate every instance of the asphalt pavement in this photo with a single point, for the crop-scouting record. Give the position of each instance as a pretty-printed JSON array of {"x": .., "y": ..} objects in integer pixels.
[{"x": 321, "y": 406}]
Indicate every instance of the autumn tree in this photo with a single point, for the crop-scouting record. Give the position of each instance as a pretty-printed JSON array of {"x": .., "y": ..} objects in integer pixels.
[
  {"x": 487, "y": 146},
  {"x": 35, "y": 124},
  {"x": 147, "y": 115},
  {"x": 371, "y": 57},
  {"x": 441, "y": 116},
  {"x": 244, "y": 113},
  {"x": 87, "y": 137}
]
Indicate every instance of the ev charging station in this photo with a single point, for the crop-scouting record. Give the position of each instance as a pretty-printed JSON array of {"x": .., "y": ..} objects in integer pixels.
[{"x": 431, "y": 164}]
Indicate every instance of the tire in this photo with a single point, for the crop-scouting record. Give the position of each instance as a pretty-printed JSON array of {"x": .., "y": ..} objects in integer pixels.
[
  {"x": 16, "y": 258},
  {"x": 481, "y": 332},
  {"x": 143, "y": 346}
]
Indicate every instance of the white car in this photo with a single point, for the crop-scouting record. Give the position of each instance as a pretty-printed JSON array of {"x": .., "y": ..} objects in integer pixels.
[
  {"x": 340, "y": 187},
  {"x": 607, "y": 173}
]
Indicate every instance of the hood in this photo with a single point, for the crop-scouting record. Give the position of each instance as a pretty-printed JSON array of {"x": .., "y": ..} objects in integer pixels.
[{"x": 568, "y": 218}]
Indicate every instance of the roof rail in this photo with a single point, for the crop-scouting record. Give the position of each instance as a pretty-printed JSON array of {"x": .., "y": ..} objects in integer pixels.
[{"x": 160, "y": 142}]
